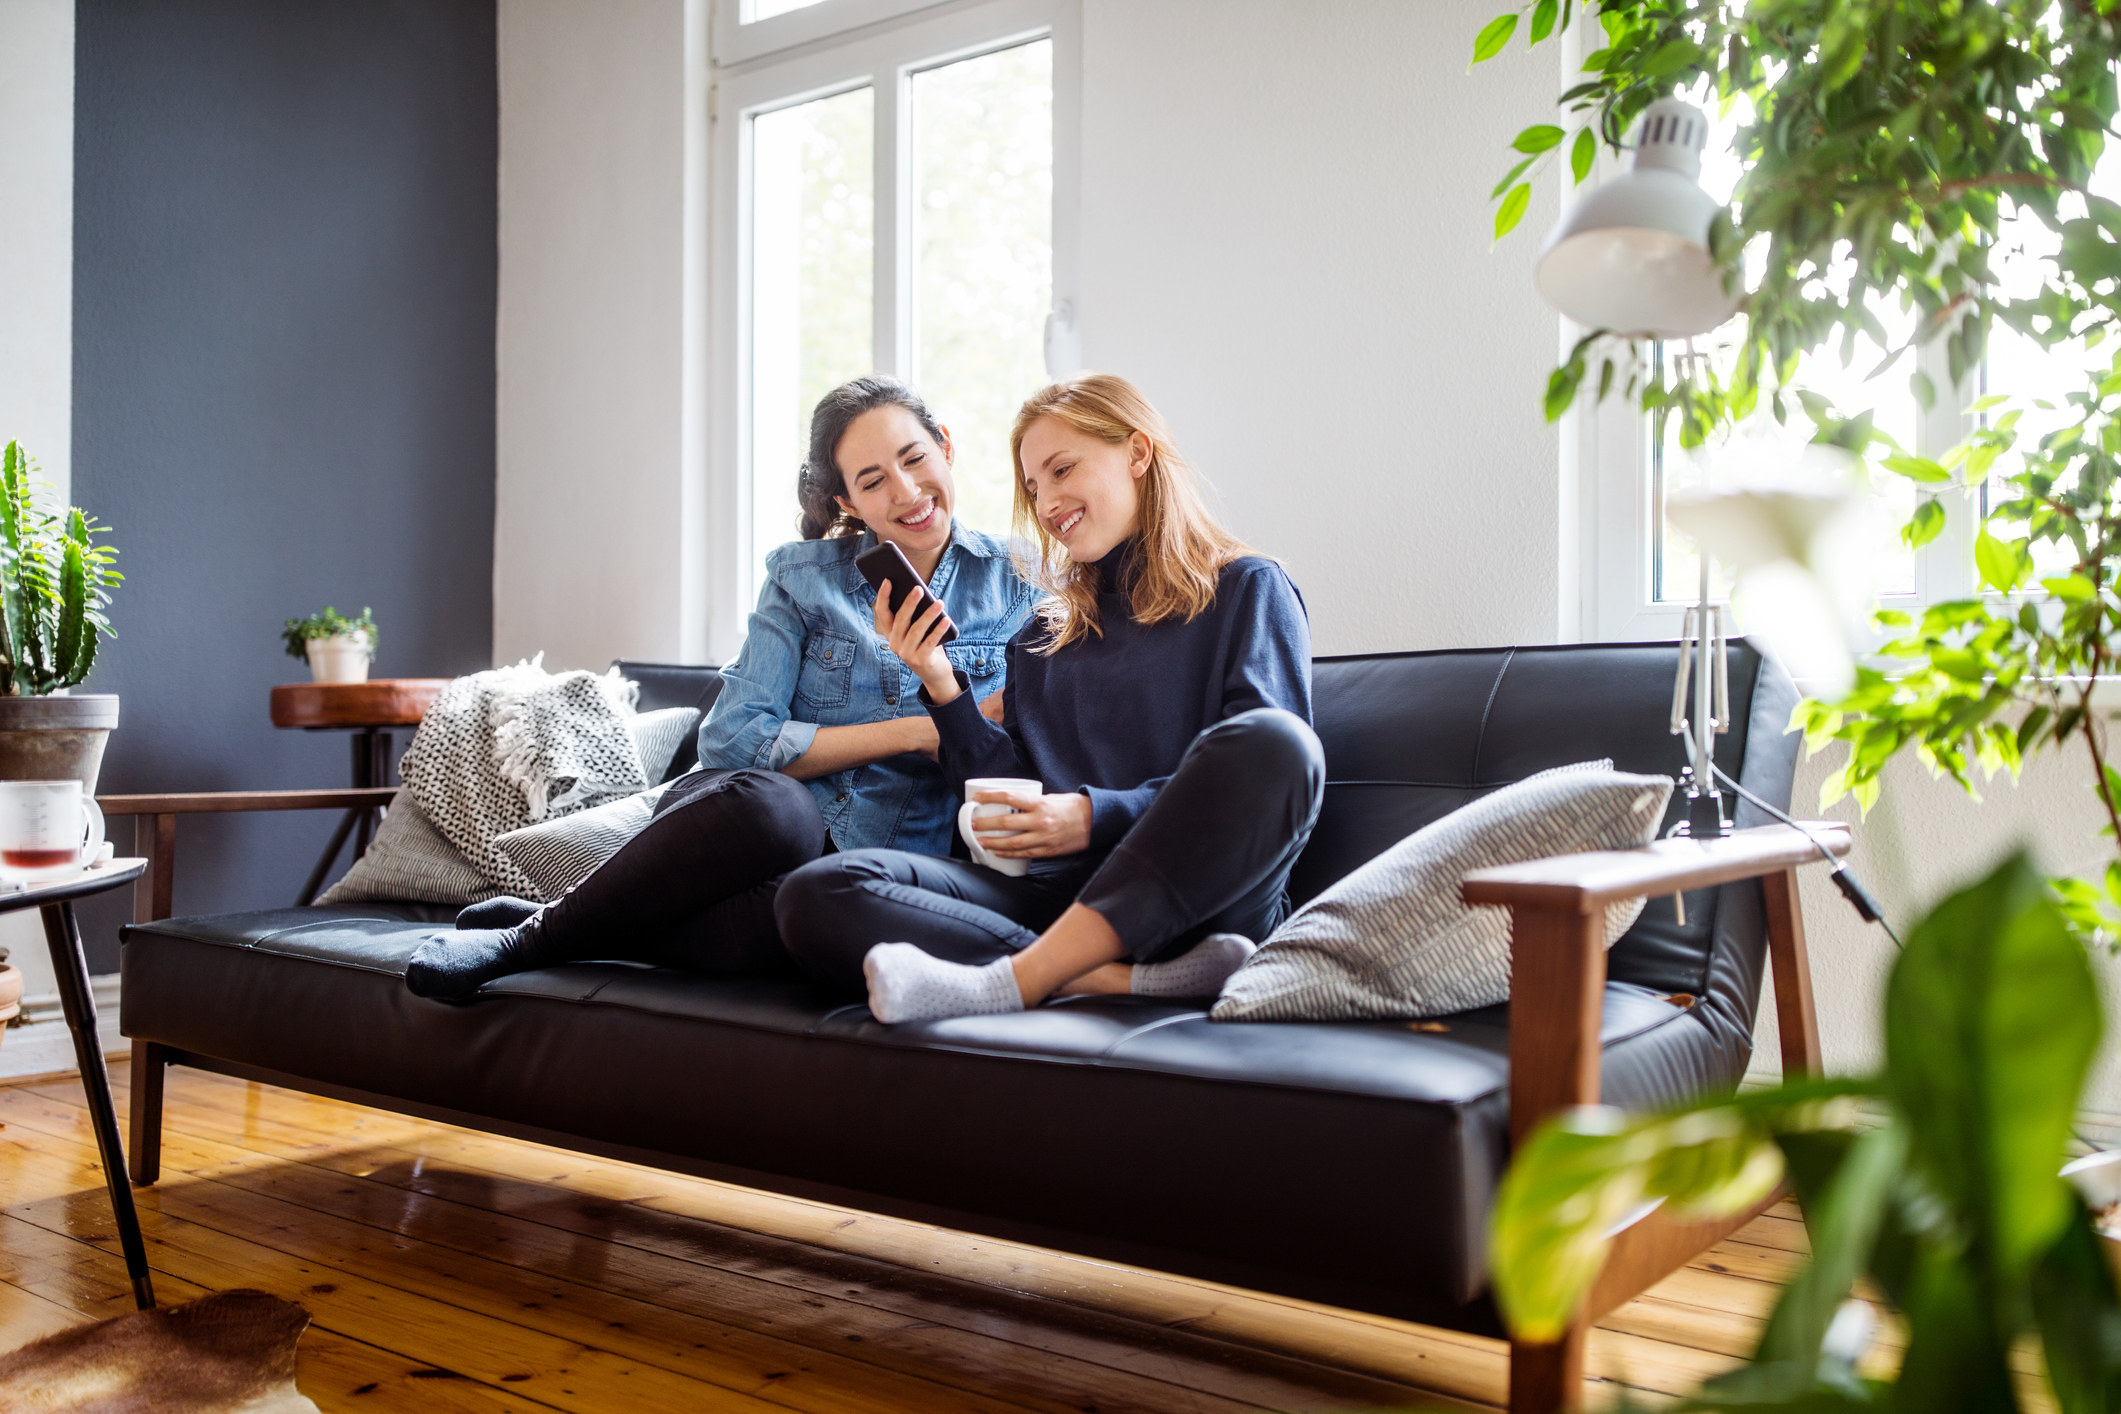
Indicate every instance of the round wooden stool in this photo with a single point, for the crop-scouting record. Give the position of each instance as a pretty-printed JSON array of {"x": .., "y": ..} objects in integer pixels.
[{"x": 369, "y": 710}]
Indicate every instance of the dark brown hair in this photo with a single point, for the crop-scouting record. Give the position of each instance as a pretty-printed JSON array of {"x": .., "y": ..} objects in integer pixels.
[{"x": 820, "y": 484}]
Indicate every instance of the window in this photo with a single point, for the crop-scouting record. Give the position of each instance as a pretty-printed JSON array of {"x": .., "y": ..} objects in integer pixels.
[
  {"x": 882, "y": 202},
  {"x": 1636, "y": 574}
]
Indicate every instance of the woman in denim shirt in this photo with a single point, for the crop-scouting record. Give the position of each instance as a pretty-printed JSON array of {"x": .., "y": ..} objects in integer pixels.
[{"x": 817, "y": 739}]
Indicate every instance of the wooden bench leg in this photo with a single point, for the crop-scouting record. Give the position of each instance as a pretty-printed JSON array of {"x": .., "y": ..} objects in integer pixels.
[
  {"x": 143, "y": 1154},
  {"x": 1548, "y": 1379}
]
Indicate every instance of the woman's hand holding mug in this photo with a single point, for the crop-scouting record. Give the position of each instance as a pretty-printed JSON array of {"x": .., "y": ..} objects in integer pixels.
[
  {"x": 1017, "y": 824},
  {"x": 917, "y": 639}
]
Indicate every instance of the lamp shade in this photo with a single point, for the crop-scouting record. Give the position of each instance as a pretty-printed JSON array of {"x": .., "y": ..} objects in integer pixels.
[{"x": 1633, "y": 255}]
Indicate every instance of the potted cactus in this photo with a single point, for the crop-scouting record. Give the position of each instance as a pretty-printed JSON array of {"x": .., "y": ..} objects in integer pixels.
[{"x": 55, "y": 580}]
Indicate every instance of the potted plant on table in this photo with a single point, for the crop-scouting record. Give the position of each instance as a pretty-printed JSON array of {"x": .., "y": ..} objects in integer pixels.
[
  {"x": 1887, "y": 146},
  {"x": 337, "y": 648},
  {"x": 55, "y": 581}
]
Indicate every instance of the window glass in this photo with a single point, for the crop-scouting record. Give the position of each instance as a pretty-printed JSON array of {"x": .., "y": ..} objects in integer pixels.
[
  {"x": 982, "y": 278},
  {"x": 812, "y": 204}
]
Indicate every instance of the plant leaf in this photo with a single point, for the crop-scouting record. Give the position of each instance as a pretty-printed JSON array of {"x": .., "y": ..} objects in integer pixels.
[
  {"x": 1512, "y": 209},
  {"x": 1538, "y": 138},
  {"x": 1494, "y": 36},
  {"x": 1581, "y": 154},
  {"x": 1991, "y": 1023},
  {"x": 1543, "y": 16}
]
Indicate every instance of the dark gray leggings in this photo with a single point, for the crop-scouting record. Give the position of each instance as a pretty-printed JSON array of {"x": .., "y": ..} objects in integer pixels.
[
  {"x": 1211, "y": 854},
  {"x": 695, "y": 888}
]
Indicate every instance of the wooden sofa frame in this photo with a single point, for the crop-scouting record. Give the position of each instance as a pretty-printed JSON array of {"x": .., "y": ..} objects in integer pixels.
[{"x": 1557, "y": 910}]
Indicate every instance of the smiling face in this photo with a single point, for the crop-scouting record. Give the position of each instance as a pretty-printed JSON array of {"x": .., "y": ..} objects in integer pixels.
[
  {"x": 898, "y": 481},
  {"x": 1084, "y": 491}
]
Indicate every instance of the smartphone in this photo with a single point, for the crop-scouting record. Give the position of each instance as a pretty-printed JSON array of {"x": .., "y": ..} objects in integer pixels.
[{"x": 887, "y": 562}]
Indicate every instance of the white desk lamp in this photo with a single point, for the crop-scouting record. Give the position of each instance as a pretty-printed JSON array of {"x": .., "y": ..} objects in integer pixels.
[{"x": 1633, "y": 257}]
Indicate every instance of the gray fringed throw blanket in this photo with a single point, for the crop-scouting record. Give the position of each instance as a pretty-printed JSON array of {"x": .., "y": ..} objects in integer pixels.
[{"x": 510, "y": 747}]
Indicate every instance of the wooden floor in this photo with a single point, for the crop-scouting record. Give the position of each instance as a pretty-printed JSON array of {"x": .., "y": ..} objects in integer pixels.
[{"x": 448, "y": 1270}]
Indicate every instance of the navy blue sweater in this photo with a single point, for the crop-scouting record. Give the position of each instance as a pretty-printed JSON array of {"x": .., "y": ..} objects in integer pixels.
[{"x": 1110, "y": 715}]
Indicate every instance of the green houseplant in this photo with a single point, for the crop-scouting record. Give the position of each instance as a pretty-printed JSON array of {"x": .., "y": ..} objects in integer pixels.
[
  {"x": 55, "y": 583},
  {"x": 337, "y": 648},
  {"x": 1884, "y": 144}
]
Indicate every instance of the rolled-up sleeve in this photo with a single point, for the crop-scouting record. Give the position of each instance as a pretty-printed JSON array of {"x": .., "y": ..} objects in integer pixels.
[{"x": 751, "y": 722}]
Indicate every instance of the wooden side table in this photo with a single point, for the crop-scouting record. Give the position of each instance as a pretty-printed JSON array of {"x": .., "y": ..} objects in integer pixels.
[{"x": 368, "y": 710}]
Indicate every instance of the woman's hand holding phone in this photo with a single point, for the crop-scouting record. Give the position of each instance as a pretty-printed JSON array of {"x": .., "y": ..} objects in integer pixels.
[
  {"x": 1043, "y": 827},
  {"x": 915, "y": 634}
]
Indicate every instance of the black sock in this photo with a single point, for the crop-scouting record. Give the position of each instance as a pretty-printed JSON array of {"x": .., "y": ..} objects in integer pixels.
[
  {"x": 451, "y": 966},
  {"x": 503, "y": 912}
]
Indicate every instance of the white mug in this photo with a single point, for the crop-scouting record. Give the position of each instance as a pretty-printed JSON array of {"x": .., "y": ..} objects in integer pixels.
[
  {"x": 47, "y": 828},
  {"x": 1015, "y": 868}
]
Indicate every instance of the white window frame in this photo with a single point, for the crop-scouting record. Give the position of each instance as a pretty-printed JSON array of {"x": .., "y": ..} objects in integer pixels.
[
  {"x": 883, "y": 57},
  {"x": 1610, "y": 511},
  {"x": 737, "y": 39}
]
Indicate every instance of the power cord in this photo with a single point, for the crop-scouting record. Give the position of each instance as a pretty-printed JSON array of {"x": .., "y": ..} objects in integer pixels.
[{"x": 1844, "y": 878}]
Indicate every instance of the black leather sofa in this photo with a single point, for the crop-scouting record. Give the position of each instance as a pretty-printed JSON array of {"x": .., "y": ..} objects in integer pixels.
[{"x": 1352, "y": 1164}]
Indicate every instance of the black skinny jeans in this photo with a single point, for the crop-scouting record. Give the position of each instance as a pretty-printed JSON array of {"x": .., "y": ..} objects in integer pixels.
[
  {"x": 1211, "y": 854},
  {"x": 695, "y": 888}
]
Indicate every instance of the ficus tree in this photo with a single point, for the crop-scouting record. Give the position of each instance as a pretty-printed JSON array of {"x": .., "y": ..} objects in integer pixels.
[{"x": 1886, "y": 148}]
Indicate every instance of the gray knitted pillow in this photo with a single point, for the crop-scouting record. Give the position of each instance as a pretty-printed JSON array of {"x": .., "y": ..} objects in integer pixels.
[
  {"x": 658, "y": 735},
  {"x": 410, "y": 860},
  {"x": 558, "y": 854},
  {"x": 1393, "y": 940}
]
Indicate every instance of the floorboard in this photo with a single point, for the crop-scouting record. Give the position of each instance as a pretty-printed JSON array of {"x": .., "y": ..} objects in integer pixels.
[{"x": 449, "y": 1270}]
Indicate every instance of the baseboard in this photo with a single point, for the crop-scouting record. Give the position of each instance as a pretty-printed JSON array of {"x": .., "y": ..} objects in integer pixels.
[
  {"x": 39, "y": 1043},
  {"x": 44, "y": 1006}
]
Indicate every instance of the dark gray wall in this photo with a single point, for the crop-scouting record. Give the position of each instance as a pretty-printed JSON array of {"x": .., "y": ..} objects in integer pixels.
[{"x": 284, "y": 276}]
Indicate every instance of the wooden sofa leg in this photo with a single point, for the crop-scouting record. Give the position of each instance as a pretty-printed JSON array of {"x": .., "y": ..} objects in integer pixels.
[
  {"x": 1548, "y": 1379},
  {"x": 143, "y": 1153}
]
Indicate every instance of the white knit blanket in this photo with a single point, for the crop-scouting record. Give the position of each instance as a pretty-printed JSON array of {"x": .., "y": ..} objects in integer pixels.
[{"x": 512, "y": 746}]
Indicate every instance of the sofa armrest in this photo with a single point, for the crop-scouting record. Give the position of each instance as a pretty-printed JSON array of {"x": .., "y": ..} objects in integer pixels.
[
  {"x": 1557, "y": 942},
  {"x": 155, "y": 836}
]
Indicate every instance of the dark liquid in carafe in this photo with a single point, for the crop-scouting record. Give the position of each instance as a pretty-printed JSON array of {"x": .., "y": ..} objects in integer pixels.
[{"x": 36, "y": 858}]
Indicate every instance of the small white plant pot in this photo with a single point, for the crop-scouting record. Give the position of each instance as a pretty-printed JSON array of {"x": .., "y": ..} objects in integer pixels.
[{"x": 343, "y": 657}]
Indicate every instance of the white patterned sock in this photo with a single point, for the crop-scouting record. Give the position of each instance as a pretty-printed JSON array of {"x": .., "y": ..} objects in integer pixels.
[
  {"x": 908, "y": 984},
  {"x": 1200, "y": 971}
]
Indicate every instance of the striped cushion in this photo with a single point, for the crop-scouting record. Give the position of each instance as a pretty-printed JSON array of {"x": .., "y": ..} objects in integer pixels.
[
  {"x": 1394, "y": 941},
  {"x": 410, "y": 860},
  {"x": 658, "y": 735},
  {"x": 558, "y": 854}
]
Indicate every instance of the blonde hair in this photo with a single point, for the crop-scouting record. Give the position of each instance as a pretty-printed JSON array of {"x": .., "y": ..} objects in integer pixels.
[{"x": 1182, "y": 549}]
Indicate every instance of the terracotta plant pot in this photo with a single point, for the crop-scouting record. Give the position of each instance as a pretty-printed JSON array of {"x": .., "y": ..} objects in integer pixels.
[
  {"x": 56, "y": 738},
  {"x": 343, "y": 657}
]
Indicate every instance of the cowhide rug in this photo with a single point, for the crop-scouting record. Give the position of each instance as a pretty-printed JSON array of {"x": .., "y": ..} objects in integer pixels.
[{"x": 228, "y": 1354}]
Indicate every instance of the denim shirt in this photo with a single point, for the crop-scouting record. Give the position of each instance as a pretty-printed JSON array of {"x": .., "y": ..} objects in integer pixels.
[{"x": 813, "y": 659}]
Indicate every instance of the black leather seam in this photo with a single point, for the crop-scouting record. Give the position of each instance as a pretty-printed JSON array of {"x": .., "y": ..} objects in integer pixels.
[{"x": 1480, "y": 739}]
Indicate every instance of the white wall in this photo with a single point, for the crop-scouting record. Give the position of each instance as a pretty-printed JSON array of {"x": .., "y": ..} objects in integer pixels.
[
  {"x": 1285, "y": 242},
  {"x": 37, "y": 285},
  {"x": 1924, "y": 839},
  {"x": 37, "y": 230},
  {"x": 590, "y": 502}
]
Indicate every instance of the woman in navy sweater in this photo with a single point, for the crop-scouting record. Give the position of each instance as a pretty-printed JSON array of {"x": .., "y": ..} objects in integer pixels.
[{"x": 1162, "y": 698}]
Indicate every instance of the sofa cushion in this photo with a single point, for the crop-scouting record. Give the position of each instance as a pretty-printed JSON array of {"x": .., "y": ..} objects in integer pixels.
[
  {"x": 1394, "y": 940},
  {"x": 1121, "y": 1119},
  {"x": 409, "y": 860},
  {"x": 555, "y": 855}
]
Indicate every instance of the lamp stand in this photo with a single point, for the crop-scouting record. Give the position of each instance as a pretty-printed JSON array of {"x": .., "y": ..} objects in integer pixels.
[{"x": 1702, "y": 649}]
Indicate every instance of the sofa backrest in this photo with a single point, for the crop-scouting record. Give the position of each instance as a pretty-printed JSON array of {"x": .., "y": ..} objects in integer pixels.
[
  {"x": 1410, "y": 737},
  {"x": 676, "y": 685}
]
